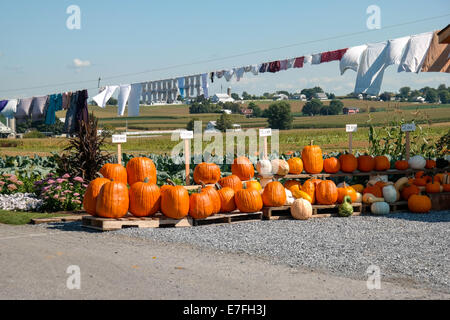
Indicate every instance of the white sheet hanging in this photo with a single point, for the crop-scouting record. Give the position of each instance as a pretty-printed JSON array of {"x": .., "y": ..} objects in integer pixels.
[
  {"x": 351, "y": 58},
  {"x": 415, "y": 52},
  {"x": 103, "y": 97},
  {"x": 133, "y": 100},
  {"x": 10, "y": 109},
  {"x": 124, "y": 93}
]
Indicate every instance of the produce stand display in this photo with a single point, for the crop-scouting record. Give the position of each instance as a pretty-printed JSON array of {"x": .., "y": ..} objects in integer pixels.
[
  {"x": 232, "y": 217},
  {"x": 319, "y": 211}
]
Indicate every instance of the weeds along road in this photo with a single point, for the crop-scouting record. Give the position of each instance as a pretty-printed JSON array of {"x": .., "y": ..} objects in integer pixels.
[{"x": 34, "y": 262}]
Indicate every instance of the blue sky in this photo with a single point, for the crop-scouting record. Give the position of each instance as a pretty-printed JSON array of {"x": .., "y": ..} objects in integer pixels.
[{"x": 122, "y": 37}]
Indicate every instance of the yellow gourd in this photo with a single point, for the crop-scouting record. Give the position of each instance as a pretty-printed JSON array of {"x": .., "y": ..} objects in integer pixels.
[
  {"x": 358, "y": 187},
  {"x": 299, "y": 194},
  {"x": 370, "y": 198}
]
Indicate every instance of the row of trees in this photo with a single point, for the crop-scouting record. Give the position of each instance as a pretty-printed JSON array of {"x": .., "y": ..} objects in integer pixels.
[{"x": 315, "y": 107}]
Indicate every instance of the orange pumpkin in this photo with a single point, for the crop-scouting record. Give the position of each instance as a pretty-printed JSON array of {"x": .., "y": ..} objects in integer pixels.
[
  {"x": 430, "y": 164},
  {"x": 140, "y": 168},
  {"x": 419, "y": 204},
  {"x": 274, "y": 194},
  {"x": 331, "y": 165},
  {"x": 421, "y": 182},
  {"x": 214, "y": 196},
  {"x": 243, "y": 168},
  {"x": 113, "y": 200},
  {"x": 248, "y": 200},
  {"x": 208, "y": 173},
  {"x": 326, "y": 192},
  {"x": 175, "y": 202},
  {"x": 295, "y": 165},
  {"x": 91, "y": 194},
  {"x": 348, "y": 161},
  {"x": 433, "y": 187},
  {"x": 310, "y": 188},
  {"x": 114, "y": 171},
  {"x": 231, "y": 181},
  {"x": 312, "y": 158},
  {"x": 289, "y": 183},
  {"x": 409, "y": 190},
  {"x": 382, "y": 163},
  {"x": 346, "y": 190},
  {"x": 366, "y": 163},
  {"x": 375, "y": 190},
  {"x": 253, "y": 184},
  {"x": 401, "y": 165},
  {"x": 145, "y": 199},
  {"x": 446, "y": 187},
  {"x": 200, "y": 205},
  {"x": 419, "y": 174},
  {"x": 227, "y": 203}
]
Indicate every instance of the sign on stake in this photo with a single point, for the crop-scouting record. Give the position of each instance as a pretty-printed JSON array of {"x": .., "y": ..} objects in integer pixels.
[
  {"x": 350, "y": 128},
  {"x": 186, "y": 136},
  {"x": 407, "y": 128},
  {"x": 119, "y": 139},
  {"x": 267, "y": 132}
]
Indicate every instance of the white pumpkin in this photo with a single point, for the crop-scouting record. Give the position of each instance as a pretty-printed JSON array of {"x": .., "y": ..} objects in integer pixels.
[
  {"x": 289, "y": 197},
  {"x": 280, "y": 167},
  {"x": 380, "y": 208},
  {"x": 417, "y": 162},
  {"x": 301, "y": 209},
  {"x": 264, "y": 168},
  {"x": 390, "y": 194}
]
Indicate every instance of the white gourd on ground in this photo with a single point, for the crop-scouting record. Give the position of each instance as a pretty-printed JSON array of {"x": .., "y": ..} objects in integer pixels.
[
  {"x": 390, "y": 193},
  {"x": 379, "y": 208},
  {"x": 301, "y": 209}
]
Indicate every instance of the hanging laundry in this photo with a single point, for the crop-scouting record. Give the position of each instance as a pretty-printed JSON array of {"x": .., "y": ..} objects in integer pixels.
[
  {"x": 375, "y": 60},
  {"x": 164, "y": 91},
  {"x": 23, "y": 110},
  {"x": 283, "y": 64},
  {"x": 351, "y": 58},
  {"x": 38, "y": 108},
  {"x": 415, "y": 52},
  {"x": 291, "y": 62},
  {"x": 10, "y": 109},
  {"x": 247, "y": 69},
  {"x": 82, "y": 108},
  {"x": 181, "y": 86},
  {"x": 298, "y": 63},
  {"x": 316, "y": 58},
  {"x": 205, "y": 85},
  {"x": 124, "y": 94},
  {"x": 239, "y": 73},
  {"x": 211, "y": 76},
  {"x": 54, "y": 104},
  {"x": 198, "y": 84},
  {"x": 308, "y": 59},
  {"x": 144, "y": 92},
  {"x": 219, "y": 74},
  {"x": 133, "y": 100},
  {"x": 66, "y": 100},
  {"x": 274, "y": 66},
  {"x": 255, "y": 69},
  {"x": 70, "y": 123},
  {"x": 229, "y": 74},
  {"x": 148, "y": 94},
  {"x": 175, "y": 89},
  {"x": 103, "y": 97},
  {"x": 438, "y": 56},
  {"x": 154, "y": 91},
  {"x": 263, "y": 67},
  {"x": 332, "y": 55},
  {"x": 3, "y": 104}
]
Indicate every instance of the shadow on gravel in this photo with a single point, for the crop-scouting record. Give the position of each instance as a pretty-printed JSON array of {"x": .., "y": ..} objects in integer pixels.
[
  {"x": 436, "y": 216},
  {"x": 69, "y": 226}
]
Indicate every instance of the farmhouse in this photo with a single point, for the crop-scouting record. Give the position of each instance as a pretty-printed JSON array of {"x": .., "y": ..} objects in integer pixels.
[
  {"x": 320, "y": 96},
  {"x": 350, "y": 110},
  {"x": 221, "y": 97}
]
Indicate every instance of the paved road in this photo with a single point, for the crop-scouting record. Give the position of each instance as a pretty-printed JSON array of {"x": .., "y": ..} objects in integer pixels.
[{"x": 34, "y": 261}]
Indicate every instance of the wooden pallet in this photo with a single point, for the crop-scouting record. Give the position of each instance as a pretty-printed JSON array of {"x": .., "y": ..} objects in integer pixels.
[
  {"x": 156, "y": 221},
  {"x": 232, "y": 217},
  {"x": 57, "y": 219},
  {"x": 319, "y": 211},
  {"x": 396, "y": 207},
  {"x": 440, "y": 201}
]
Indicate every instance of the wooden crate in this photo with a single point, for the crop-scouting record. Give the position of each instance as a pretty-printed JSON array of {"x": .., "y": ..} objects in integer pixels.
[
  {"x": 156, "y": 221},
  {"x": 319, "y": 211},
  {"x": 440, "y": 201},
  {"x": 232, "y": 217}
]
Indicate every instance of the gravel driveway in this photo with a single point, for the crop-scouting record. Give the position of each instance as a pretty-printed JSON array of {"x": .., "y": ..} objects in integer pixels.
[{"x": 408, "y": 248}]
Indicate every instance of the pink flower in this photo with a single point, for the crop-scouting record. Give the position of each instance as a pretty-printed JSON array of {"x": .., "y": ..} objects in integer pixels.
[
  {"x": 66, "y": 176},
  {"x": 55, "y": 196},
  {"x": 58, "y": 188},
  {"x": 2, "y": 183},
  {"x": 46, "y": 188},
  {"x": 12, "y": 187},
  {"x": 62, "y": 199},
  {"x": 20, "y": 183},
  {"x": 67, "y": 191},
  {"x": 51, "y": 181},
  {"x": 59, "y": 180},
  {"x": 76, "y": 201},
  {"x": 79, "y": 179},
  {"x": 76, "y": 194},
  {"x": 85, "y": 185}
]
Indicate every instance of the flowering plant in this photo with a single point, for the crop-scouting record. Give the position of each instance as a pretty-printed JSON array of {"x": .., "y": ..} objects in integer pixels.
[
  {"x": 10, "y": 183},
  {"x": 61, "y": 193}
]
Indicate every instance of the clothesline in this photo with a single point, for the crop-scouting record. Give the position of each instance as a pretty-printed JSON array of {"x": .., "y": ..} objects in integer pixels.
[{"x": 421, "y": 52}]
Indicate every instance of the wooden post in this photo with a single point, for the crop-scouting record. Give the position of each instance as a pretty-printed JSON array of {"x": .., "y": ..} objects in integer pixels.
[
  {"x": 265, "y": 156},
  {"x": 408, "y": 142},
  {"x": 350, "y": 142},
  {"x": 119, "y": 153},
  {"x": 187, "y": 160}
]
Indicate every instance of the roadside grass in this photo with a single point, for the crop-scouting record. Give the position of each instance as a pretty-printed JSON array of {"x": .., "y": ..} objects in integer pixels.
[{"x": 21, "y": 217}]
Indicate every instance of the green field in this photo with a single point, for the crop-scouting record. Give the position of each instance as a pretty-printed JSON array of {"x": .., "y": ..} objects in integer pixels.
[{"x": 327, "y": 131}]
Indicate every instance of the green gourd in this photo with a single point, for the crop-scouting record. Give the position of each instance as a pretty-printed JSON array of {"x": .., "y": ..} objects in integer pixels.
[{"x": 346, "y": 208}]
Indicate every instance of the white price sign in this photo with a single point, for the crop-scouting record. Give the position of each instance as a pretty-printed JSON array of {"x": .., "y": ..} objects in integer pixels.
[
  {"x": 351, "y": 127},
  {"x": 265, "y": 132},
  {"x": 186, "y": 135},
  {"x": 408, "y": 127},
  {"x": 119, "y": 138}
]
